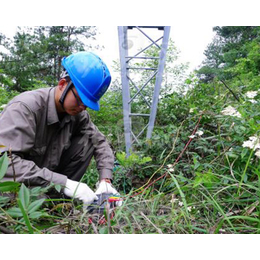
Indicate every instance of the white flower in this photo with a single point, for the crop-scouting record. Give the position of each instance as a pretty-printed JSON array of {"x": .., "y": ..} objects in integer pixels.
[
  {"x": 189, "y": 208},
  {"x": 230, "y": 111},
  {"x": 191, "y": 110},
  {"x": 199, "y": 133},
  {"x": 3, "y": 106},
  {"x": 180, "y": 203},
  {"x": 248, "y": 144},
  {"x": 251, "y": 94},
  {"x": 110, "y": 135},
  {"x": 252, "y": 101},
  {"x": 257, "y": 154},
  {"x": 252, "y": 143},
  {"x": 170, "y": 166},
  {"x": 173, "y": 200}
]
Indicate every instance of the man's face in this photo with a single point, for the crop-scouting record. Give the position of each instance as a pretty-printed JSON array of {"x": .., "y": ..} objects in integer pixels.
[{"x": 72, "y": 103}]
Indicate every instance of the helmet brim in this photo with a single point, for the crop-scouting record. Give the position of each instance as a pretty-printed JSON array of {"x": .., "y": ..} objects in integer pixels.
[{"x": 86, "y": 101}]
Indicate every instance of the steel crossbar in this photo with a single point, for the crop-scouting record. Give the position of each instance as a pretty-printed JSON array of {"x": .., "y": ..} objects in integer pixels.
[{"x": 125, "y": 58}]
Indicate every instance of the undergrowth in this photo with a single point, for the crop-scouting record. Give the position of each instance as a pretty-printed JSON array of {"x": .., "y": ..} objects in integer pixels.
[{"x": 198, "y": 174}]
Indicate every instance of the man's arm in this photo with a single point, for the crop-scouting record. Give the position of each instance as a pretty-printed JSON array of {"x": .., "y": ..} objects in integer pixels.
[
  {"x": 18, "y": 131},
  {"x": 102, "y": 152}
]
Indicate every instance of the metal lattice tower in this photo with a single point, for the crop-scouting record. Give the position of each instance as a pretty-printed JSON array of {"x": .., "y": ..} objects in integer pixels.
[{"x": 130, "y": 89}]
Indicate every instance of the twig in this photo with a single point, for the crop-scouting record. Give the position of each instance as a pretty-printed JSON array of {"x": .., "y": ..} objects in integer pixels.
[
  {"x": 235, "y": 96},
  {"x": 108, "y": 218},
  {"x": 137, "y": 224},
  {"x": 94, "y": 227},
  {"x": 177, "y": 160},
  {"x": 6, "y": 230},
  {"x": 158, "y": 229},
  {"x": 12, "y": 163}
]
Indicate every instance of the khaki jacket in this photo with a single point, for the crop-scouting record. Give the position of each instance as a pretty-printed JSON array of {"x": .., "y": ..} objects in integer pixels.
[{"x": 30, "y": 126}]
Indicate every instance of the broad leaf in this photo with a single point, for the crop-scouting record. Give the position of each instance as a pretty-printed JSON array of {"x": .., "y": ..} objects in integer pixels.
[
  {"x": 35, "y": 206},
  {"x": 4, "y": 200},
  {"x": 9, "y": 186},
  {"x": 15, "y": 212},
  {"x": 3, "y": 165},
  {"x": 103, "y": 230},
  {"x": 58, "y": 187},
  {"x": 24, "y": 196},
  {"x": 36, "y": 214}
]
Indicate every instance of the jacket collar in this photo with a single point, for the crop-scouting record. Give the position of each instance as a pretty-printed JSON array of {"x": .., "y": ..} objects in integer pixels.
[{"x": 52, "y": 112}]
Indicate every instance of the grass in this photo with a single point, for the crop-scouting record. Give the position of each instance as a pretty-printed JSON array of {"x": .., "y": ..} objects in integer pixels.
[{"x": 180, "y": 210}]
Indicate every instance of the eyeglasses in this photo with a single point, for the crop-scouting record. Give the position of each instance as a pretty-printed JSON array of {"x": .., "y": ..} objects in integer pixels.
[{"x": 79, "y": 102}]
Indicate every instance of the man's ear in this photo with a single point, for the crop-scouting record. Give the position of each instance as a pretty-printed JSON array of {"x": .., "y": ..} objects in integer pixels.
[{"x": 62, "y": 84}]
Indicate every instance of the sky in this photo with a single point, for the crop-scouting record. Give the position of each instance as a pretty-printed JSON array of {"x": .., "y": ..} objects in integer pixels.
[{"x": 190, "y": 40}]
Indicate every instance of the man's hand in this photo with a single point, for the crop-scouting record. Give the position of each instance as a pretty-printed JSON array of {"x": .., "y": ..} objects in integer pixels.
[
  {"x": 105, "y": 187},
  {"x": 80, "y": 191}
]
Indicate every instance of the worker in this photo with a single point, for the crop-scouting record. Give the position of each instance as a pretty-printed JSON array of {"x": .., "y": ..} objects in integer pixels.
[{"x": 51, "y": 136}]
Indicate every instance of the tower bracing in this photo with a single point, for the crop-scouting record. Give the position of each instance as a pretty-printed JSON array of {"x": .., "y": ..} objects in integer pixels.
[{"x": 141, "y": 74}]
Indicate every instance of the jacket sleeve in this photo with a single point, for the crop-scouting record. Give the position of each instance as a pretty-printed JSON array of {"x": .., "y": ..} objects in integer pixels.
[
  {"x": 103, "y": 154},
  {"x": 17, "y": 132}
]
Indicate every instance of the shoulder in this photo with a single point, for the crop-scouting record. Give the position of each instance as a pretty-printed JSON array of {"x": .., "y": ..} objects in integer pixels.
[{"x": 33, "y": 100}]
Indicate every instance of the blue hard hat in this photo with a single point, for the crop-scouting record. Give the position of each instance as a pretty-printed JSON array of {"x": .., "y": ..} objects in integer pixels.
[{"x": 89, "y": 75}]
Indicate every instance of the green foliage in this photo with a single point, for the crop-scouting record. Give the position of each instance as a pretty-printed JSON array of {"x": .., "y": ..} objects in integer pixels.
[
  {"x": 9, "y": 186},
  {"x": 206, "y": 178},
  {"x": 230, "y": 49},
  {"x": 129, "y": 170},
  {"x": 3, "y": 165},
  {"x": 34, "y": 55},
  {"x": 132, "y": 160}
]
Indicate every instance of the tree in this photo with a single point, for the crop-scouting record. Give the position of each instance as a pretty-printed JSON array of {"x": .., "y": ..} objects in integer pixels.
[
  {"x": 33, "y": 57},
  {"x": 228, "y": 46}
]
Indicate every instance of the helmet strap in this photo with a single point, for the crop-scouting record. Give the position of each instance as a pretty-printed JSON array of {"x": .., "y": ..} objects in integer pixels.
[{"x": 65, "y": 92}]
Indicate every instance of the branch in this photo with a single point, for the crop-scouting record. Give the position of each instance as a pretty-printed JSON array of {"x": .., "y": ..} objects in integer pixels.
[
  {"x": 6, "y": 230},
  {"x": 235, "y": 96}
]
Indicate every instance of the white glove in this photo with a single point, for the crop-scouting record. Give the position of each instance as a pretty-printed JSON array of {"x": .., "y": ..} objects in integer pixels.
[
  {"x": 80, "y": 191},
  {"x": 105, "y": 187}
]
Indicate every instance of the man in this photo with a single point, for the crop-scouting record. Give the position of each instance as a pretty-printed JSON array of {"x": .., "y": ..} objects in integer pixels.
[{"x": 50, "y": 133}]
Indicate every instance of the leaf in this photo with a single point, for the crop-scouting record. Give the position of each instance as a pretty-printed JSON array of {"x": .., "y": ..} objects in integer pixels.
[
  {"x": 3, "y": 165},
  {"x": 244, "y": 152},
  {"x": 9, "y": 186},
  {"x": 36, "y": 214},
  {"x": 103, "y": 230},
  {"x": 4, "y": 201},
  {"x": 57, "y": 187},
  {"x": 15, "y": 212},
  {"x": 25, "y": 216},
  {"x": 145, "y": 160},
  {"x": 35, "y": 205},
  {"x": 24, "y": 196},
  {"x": 36, "y": 191}
]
